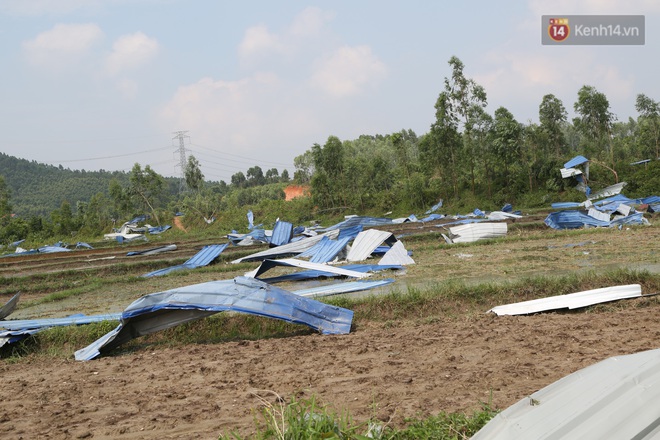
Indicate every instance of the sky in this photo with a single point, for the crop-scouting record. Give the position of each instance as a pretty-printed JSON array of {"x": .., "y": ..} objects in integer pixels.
[{"x": 105, "y": 84}]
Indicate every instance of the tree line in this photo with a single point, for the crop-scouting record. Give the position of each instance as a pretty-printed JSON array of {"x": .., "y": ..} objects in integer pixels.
[{"x": 468, "y": 156}]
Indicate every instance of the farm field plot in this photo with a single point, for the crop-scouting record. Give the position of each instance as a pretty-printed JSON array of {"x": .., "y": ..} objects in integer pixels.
[{"x": 406, "y": 362}]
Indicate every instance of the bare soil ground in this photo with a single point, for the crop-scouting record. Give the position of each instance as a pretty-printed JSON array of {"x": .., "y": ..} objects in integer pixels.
[{"x": 390, "y": 371}]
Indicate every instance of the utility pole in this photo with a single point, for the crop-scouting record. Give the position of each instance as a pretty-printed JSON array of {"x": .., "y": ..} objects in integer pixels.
[{"x": 181, "y": 135}]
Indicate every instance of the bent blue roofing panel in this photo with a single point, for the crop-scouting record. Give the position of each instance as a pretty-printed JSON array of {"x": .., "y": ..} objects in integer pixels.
[
  {"x": 572, "y": 220},
  {"x": 577, "y": 160},
  {"x": 329, "y": 249},
  {"x": 162, "y": 310},
  {"x": 339, "y": 288},
  {"x": 282, "y": 233},
  {"x": 201, "y": 258},
  {"x": 24, "y": 324},
  {"x": 310, "y": 274},
  {"x": 350, "y": 232}
]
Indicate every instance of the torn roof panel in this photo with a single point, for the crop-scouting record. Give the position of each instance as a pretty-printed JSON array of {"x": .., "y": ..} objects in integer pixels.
[
  {"x": 397, "y": 255},
  {"x": 615, "y": 399},
  {"x": 24, "y": 324},
  {"x": 477, "y": 231},
  {"x": 569, "y": 172},
  {"x": 577, "y": 160},
  {"x": 350, "y": 232},
  {"x": 366, "y": 242},
  {"x": 340, "y": 288},
  {"x": 153, "y": 251},
  {"x": 292, "y": 262},
  {"x": 282, "y": 233},
  {"x": 170, "y": 308},
  {"x": 572, "y": 220},
  {"x": 202, "y": 258},
  {"x": 571, "y": 300},
  {"x": 607, "y": 192},
  {"x": 9, "y": 306},
  {"x": 329, "y": 250},
  {"x": 293, "y": 248},
  {"x": 361, "y": 221},
  {"x": 311, "y": 274}
]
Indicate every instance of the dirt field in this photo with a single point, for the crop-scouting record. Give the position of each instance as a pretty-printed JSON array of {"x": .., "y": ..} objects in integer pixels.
[{"x": 389, "y": 371}]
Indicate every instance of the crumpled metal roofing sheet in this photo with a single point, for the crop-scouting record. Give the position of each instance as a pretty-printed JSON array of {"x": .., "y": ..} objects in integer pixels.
[
  {"x": 397, "y": 255},
  {"x": 578, "y": 219},
  {"x": 293, "y": 248},
  {"x": 366, "y": 242},
  {"x": 477, "y": 231},
  {"x": 329, "y": 250},
  {"x": 569, "y": 172},
  {"x": 350, "y": 232},
  {"x": 162, "y": 310},
  {"x": 9, "y": 306},
  {"x": 577, "y": 160},
  {"x": 571, "y": 300},
  {"x": 22, "y": 324},
  {"x": 361, "y": 221},
  {"x": 339, "y": 288},
  {"x": 292, "y": 262},
  {"x": 153, "y": 251},
  {"x": 608, "y": 192},
  {"x": 200, "y": 259},
  {"x": 311, "y": 274},
  {"x": 613, "y": 399},
  {"x": 282, "y": 233},
  {"x": 572, "y": 220}
]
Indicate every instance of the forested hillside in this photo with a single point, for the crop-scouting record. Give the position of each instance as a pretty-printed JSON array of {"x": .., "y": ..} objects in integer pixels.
[{"x": 37, "y": 189}]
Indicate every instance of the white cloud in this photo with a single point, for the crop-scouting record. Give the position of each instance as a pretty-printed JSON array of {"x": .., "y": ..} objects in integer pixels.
[
  {"x": 242, "y": 116},
  {"x": 310, "y": 22},
  {"x": 127, "y": 88},
  {"x": 348, "y": 71},
  {"x": 522, "y": 79},
  {"x": 61, "y": 45},
  {"x": 259, "y": 40},
  {"x": 131, "y": 51}
]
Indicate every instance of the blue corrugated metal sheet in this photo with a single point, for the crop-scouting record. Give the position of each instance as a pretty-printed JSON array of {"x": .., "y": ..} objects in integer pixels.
[
  {"x": 200, "y": 259},
  {"x": 293, "y": 248},
  {"x": 578, "y": 219},
  {"x": 170, "y": 308},
  {"x": 572, "y": 220},
  {"x": 340, "y": 288},
  {"x": 329, "y": 250},
  {"x": 350, "y": 232},
  {"x": 577, "y": 160},
  {"x": 311, "y": 274},
  {"x": 359, "y": 220},
  {"x": 292, "y": 262},
  {"x": 282, "y": 233}
]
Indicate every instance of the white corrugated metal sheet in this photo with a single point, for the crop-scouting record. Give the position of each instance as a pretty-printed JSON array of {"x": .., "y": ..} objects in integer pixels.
[
  {"x": 570, "y": 301},
  {"x": 569, "y": 172},
  {"x": 614, "y": 399},
  {"x": 366, "y": 242},
  {"x": 477, "y": 231},
  {"x": 397, "y": 255}
]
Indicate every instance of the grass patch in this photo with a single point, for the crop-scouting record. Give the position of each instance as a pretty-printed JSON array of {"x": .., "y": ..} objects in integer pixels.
[{"x": 307, "y": 419}]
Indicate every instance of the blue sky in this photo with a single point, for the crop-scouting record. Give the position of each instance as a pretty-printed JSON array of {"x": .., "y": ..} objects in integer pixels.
[{"x": 103, "y": 84}]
